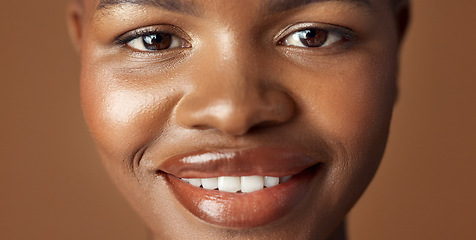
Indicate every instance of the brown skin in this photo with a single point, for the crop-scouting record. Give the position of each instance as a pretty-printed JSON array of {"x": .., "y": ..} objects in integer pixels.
[{"x": 160, "y": 104}]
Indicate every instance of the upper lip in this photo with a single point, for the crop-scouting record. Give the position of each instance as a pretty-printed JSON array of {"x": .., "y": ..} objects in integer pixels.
[{"x": 263, "y": 161}]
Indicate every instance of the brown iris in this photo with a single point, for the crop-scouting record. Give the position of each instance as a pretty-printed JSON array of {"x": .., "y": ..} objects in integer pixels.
[
  {"x": 158, "y": 41},
  {"x": 313, "y": 37}
]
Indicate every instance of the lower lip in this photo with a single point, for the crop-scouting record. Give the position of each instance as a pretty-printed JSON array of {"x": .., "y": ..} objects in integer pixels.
[{"x": 243, "y": 210}]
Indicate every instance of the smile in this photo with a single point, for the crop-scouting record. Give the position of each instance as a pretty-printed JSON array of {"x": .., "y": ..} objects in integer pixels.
[
  {"x": 241, "y": 189},
  {"x": 243, "y": 184}
]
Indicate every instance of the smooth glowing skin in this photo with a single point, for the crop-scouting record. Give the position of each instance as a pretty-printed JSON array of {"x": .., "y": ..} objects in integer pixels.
[{"x": 234, "y": 86}]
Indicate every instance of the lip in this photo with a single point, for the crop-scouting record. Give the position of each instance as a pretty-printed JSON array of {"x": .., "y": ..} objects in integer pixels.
[
  {"x": 241, "y": 210},
  {"x": 269, "y": 161}
]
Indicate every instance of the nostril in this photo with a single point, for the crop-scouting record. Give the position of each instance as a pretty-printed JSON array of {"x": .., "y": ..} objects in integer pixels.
[
  {"x": 263, "y": 125},
  {"x": 201, "y": 127},
  {"x": 236, "y": 109}
]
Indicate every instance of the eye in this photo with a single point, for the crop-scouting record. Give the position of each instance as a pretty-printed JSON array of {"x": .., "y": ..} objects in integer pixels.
[
  {"x": 157, "y": 41},
  {"x": 312, "y": 38}
]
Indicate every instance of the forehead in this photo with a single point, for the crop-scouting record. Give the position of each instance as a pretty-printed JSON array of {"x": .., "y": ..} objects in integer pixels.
[{"x": 173, "y": 5}]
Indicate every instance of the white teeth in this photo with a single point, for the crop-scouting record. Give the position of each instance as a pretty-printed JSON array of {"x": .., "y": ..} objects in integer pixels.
[
  {"x": 229, "y": 184},
  {"x": 195, "y": 182},
  {"x": 251, "y": 183},
  {"x": 210, "y": 183},
  {"x": 284, "y": 179},
  {"x": 244, "y": 184},
  {"x": 271, "y": 181}
]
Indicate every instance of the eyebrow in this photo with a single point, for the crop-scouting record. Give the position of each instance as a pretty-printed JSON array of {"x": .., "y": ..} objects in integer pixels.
[
  {"x": 170, "y": 5},
  {"x": 274, "y": 6}
]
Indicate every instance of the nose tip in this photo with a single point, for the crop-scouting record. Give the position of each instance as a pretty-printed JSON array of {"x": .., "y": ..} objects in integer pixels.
[{"x": 235, "y": 112}]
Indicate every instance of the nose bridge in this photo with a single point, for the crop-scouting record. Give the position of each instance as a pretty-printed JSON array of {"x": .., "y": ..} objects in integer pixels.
[
  {"x": 230, "y": 93},
  {"x": 225, "y": 73}
]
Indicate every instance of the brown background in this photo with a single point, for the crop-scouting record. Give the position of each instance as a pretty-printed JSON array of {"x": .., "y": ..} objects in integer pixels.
[{"x": 52, "y": 185}]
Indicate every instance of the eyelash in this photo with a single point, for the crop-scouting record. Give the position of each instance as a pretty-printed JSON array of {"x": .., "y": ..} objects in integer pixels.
[
  {"x": 289, "y": 37},
  {"x": 138, "y": 36}
]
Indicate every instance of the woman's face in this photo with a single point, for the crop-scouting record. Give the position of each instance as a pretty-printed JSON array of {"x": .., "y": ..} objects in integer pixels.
[{"x": 237, "y": 95}]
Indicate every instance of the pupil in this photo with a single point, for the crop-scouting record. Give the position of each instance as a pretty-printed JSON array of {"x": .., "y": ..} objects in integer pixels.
[
  {"x": 157, "y": 41},
  {"x": 314, "y": 37},
  {"x": 311, "y": 33}
]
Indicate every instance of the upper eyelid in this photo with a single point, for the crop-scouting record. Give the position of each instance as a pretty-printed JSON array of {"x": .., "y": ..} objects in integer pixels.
[
  {"x": 131, "y": 35},
  {"x": 144, "y": 31}
]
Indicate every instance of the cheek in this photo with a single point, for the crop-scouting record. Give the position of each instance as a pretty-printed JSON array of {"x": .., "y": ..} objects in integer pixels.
[
  {"x": 349, "y": 103},
  {"x": 123, "y": 112},
  {"x": 358, "y": 111}
]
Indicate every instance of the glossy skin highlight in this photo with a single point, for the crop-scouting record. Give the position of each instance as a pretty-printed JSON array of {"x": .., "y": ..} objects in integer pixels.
[{"x": 235, "y": 78}]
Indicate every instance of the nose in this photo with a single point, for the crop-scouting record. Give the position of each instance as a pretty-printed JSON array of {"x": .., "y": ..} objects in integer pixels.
[{"x": 233, "y": 95}]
